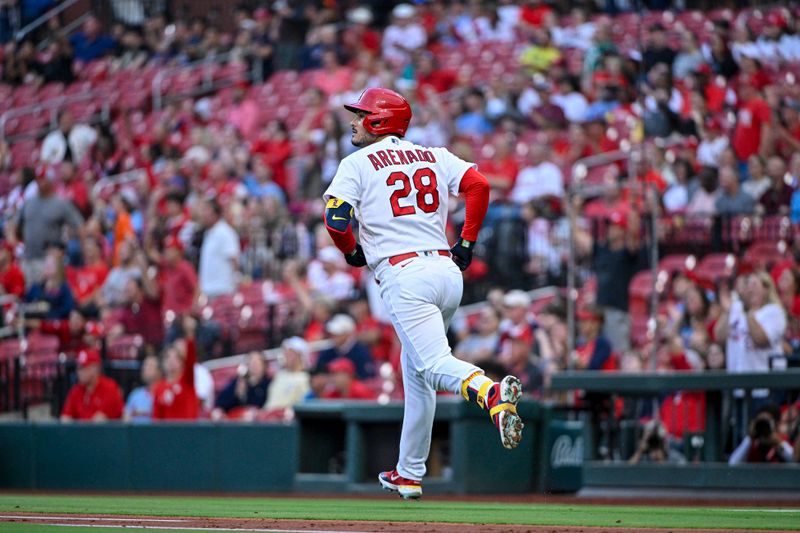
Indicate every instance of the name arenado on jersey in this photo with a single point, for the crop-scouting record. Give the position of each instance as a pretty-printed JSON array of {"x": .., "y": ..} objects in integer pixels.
[{"x": 385, "y": 158}]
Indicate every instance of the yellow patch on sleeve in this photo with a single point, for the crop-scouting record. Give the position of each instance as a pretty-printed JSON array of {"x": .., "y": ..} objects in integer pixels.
[{"x": 334, "y": 203}]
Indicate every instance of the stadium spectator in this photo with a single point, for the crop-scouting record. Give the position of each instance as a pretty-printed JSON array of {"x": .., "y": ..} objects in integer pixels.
[
  {"x": 139, "y": 406},
  {"x": 127, "y": 269},
  {"x": 342, "y": 330},
  {"x": 404, "y": 36},
  {"x": 732, "y": 200},
  {"x": 177, "y": 280},
  {"x": 689, "y": 58},
  {"x": 12, "y": 280},
  {"x": 327, "y": 275},
  {"x": 244, "y": 112},
  {"x": 87, "y": 281},
  {"x": 704, "y": 200},
  {"x": 70, "y": 141},
  {"x": 654, "y": 446},
  {"x": 247, "y": 389},
  {"x": 751, "y": 135},
  {"x": 219, "y": 254},
  {"x": 752, "y": 324},
  {"x": 657, "y": 51},
  {"x": 53, "y": 290},
  {"x": 615, "y": 262},
  {"x": 291, "y": 383},
  {"x": 592, "y": 351},
  {"x": 539, "y": 179},
  {"x": 777, "y": 199},
  {"x": 94, "y": 397},
  {"x": 90, "y": 43},
  {"x": 74, "y": 334},
  {"x": 763, "y": 443},
  {"x": 174, "y": 397},
  {"x": 472, "y": 121},
  {"x": 343, "y": 383},
  {"x": 141, "y": 314},
  {"x": 571, "y": 101},
  {"x": 40, "y": 220},
  {"x": 481, "y": 343},
  {"x": 757, "y": 182},
  {"x": 517, "y": 324}
]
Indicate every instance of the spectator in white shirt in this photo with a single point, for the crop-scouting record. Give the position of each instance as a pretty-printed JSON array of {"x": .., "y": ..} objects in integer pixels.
[
  {"x": 757, "y": 182},
  {"x": 752, "y": 326},
  {"x": 571, "y": 100},
  {"x": 713, "y": 143},
  {"x": 219, "y": 253},
  {"x": 68, "y": 141},
  {"x": 327, "y": 274},
  {"x": 539, "y": 179},
  {"x": 403, "y": 36},
  {"x": 578, "y": 34}
]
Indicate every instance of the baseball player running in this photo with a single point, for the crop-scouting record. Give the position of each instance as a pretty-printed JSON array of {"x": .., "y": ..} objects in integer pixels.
[{"x": 398, "y": 192}]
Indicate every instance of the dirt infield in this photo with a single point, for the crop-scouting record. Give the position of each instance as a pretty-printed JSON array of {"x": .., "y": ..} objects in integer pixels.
[{"x": 267, "y": 525}]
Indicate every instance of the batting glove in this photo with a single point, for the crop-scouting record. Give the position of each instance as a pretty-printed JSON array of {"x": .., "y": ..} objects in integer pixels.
[
  {"x": 462, "y": 253},
  {"x": 356, "y": 257}
]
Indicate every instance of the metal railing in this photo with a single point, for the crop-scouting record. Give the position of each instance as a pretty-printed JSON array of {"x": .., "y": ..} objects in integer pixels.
[
  {"x": 54, "y": 106},
  {"x": 44, "y": 18}
]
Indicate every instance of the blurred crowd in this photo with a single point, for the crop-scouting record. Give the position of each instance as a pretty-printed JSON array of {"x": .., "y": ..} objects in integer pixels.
[{"x": 207, "y": 210}]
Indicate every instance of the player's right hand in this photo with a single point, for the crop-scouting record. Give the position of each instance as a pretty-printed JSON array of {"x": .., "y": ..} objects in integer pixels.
[{"x": 356, "y": 257}]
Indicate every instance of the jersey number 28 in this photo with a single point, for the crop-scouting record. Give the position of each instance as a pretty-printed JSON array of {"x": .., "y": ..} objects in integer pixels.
[{"x": 427, "y": 194}]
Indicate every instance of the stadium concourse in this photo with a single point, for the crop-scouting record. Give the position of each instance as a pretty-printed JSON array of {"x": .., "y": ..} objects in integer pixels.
[{"x": 165, "y": 176}]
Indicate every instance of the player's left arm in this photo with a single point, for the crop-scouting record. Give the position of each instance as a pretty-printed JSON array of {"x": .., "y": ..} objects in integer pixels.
[
  {"x": 475, "y": 188},
  {"x": 338, "y": 215}
]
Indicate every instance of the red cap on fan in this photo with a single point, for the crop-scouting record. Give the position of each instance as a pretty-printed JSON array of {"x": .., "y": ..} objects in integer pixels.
[{"x": 88, "y": 357}]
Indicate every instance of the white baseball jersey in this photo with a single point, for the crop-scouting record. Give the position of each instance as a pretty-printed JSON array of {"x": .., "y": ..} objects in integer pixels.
[{"x": 399, "y": 192}]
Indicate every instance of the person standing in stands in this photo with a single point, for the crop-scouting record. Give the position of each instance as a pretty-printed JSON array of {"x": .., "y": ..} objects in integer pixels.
[
  {"x": 94, "y": 397},
  {"x": 175, "y": 398}
]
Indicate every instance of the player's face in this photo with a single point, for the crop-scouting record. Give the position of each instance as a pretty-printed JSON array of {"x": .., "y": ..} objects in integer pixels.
[{"x": 361, "y": 137}]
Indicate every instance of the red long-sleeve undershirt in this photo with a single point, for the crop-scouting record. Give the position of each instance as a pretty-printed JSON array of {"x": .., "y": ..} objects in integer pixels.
[{"x": 475, "y": 188}]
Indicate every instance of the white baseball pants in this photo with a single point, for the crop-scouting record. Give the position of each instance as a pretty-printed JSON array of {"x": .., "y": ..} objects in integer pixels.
[{"x": 421, "y": 295}]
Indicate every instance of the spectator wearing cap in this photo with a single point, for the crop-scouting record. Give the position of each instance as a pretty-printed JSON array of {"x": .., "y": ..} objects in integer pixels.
[
  {"x": 139, "y": 406},
  {"x": 343, "y": 384},
  {"x": 482, "y": 343},
  {"x": 403, "y": 36},
  {"x": 175, "y": 397},
  {"x": 90, "y": 43},
  {"x": 517, "y": 325},
  {"x": 219, "y": 253},
  {"x": 247, "y": 389},
  {"x": 291, "y": 383},
  {"x": 732, "y": 200},
  {"x": 753, "y": 120},
  {"x": 12, "y": 280},
  {"x": 358, "y": 36},
  {"x": 94, "y": 397},
  {"x": 539, "y": 179},
  {"x": 53, "y": 289},
  {"x": 757, "y": 181},
  {"x": 41, "y": 219},
  {"x": 177, "y": 280},
  {"x": 326, "y": 275},
  {"x": 778, "y": 198},
  {"x": 615, "y": 262},
  {"x": 342, "y": 331},
  {"x": 593, "y": 351}
]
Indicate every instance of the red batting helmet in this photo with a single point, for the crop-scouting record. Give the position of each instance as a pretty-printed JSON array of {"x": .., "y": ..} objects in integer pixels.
[{"x": 388, "y": 112}]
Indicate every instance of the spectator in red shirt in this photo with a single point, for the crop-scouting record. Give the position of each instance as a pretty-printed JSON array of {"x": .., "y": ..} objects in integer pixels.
[
  {"x": 778, "y": 198},
  {"x": 142, "y": 313},
  {"x": 343, "y": 383},
  {"x": 174, "y": 398},
  {"x": 501, "y": 168},
  {"x": 12, "y": 281},
  {"x": 430, "y": 77},
  {"x": 86, "y": 281},
  {"x": 275, "y": 149},
  {"x": 752, "y": 123},
  {"x": 74, "y": 334},
  {"x": 177, "y": 280},
  {"x": 516, "y": 325},
  {"x": 534, "y": 13},
  {"x": 74, "y": 188},
  {"x": 94, "y": 397},
  {"x": 359, "y": 36}
]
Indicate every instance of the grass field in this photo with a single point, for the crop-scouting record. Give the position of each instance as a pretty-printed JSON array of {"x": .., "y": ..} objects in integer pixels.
[{"x": 392, "y": 509}]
